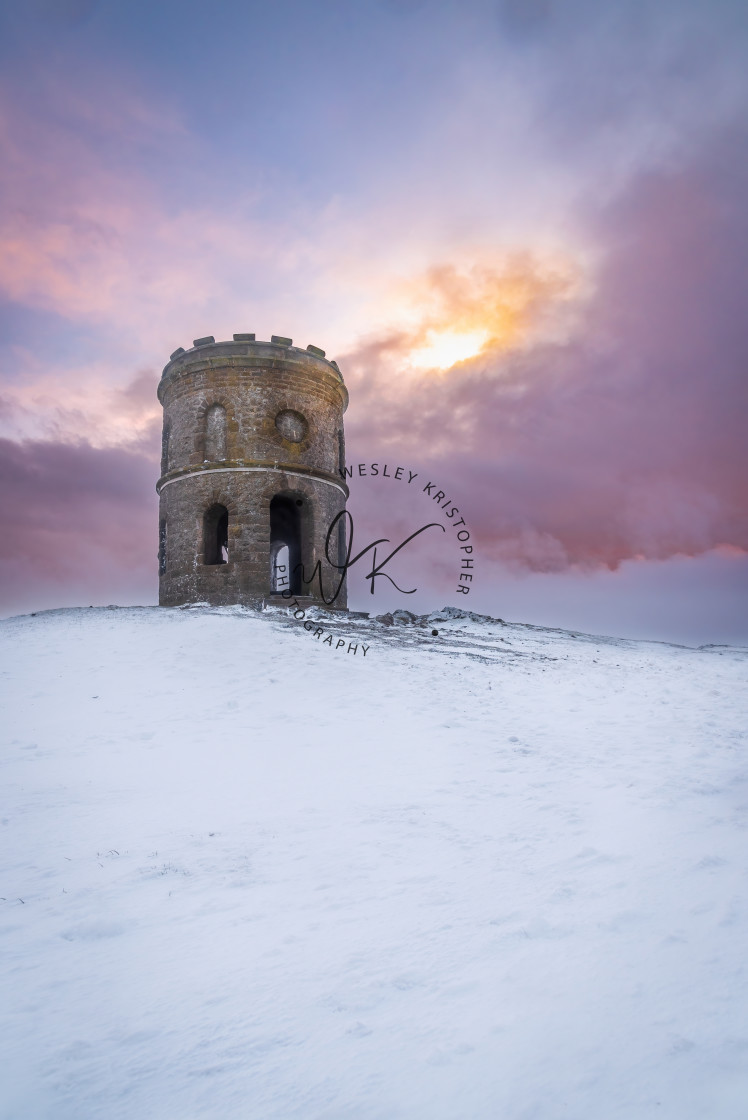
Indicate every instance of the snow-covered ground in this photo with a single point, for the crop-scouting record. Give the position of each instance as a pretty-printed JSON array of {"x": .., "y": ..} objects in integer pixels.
[{"x": 496, "y": 874}]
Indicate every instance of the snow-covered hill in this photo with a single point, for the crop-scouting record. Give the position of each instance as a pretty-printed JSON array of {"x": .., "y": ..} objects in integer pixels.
[{"x": 492, "y": 874}]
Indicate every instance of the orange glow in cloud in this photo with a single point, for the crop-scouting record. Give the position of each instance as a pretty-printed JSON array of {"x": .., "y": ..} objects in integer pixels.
[
  {"x": 457, "y": 314},
  {"x": 103, "y": 249}
]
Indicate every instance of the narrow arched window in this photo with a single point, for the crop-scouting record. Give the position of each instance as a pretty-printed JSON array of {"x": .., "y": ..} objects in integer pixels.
[
  {"x": 165, "y": 433},
  {"x": 215, "y": 433},
  {"x": 341, "y": 452},
  {"x": 216, "y": 535}
]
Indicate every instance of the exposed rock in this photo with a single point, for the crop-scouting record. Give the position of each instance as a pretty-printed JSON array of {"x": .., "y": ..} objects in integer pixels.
[
  {"x": 447, "y": 613},
  {"x": 403, "y": 618}
]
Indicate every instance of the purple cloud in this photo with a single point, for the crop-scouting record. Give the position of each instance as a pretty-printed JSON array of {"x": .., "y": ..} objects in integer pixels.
[
  {"x": 627, "y": 440},
  {"x": 76, "y": 523}
]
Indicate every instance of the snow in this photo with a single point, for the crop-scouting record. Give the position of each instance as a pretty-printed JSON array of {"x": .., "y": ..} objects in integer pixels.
[{"x": 496, "y": 873}]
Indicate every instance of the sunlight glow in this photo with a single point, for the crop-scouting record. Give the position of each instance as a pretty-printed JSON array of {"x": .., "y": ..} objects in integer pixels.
[{"x": 444, "y": 349}]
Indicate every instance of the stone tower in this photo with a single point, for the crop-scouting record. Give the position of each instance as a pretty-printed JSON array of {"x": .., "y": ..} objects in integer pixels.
[{"x": 251, "y": 473}]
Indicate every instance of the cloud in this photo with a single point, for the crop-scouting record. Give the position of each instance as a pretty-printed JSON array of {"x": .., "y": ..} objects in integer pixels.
[
  {"x": 492, "y": 307},
  {"x": 624, "y": 439},
  {"x": 81, "y": 405},
  {"x": 89, "y": 234},
  {"x": 75, "y": 517}
]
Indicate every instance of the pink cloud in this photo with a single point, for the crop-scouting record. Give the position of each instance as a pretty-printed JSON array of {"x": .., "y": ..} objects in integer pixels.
[
  {"x": 87, "y": 232},
  {"x": 627, "y": 438}
]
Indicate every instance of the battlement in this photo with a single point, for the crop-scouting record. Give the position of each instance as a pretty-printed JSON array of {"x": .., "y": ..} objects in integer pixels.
[{"x": 244, "y": 350}]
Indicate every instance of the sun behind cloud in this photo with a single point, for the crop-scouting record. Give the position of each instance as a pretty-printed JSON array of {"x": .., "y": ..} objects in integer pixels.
[
  {"x": 445, "y": 349},
  {"x": 458, "y": 314}
]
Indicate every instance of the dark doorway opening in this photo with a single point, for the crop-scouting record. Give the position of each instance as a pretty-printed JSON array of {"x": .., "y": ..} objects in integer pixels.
[
  {"x": 216, "y": 535},
  {"x": 285, "y": 534}
]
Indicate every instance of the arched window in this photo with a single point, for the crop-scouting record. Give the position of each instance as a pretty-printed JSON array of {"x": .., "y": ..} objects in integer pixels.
[
  {"x": 216, "y": 535},
  {"x": 285, "y": 533},
  {"x": 215, "y": 433}
]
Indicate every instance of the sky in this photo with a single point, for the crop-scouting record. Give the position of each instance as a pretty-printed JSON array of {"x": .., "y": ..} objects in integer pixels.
[{"x": 519, "y": 226}]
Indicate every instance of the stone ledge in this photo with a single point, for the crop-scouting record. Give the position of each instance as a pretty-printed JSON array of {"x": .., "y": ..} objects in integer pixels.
[{"x": 253, "y": 466}]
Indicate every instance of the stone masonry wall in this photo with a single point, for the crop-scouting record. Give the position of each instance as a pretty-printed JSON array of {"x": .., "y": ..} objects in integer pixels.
[{"x": 253, "y": 382}]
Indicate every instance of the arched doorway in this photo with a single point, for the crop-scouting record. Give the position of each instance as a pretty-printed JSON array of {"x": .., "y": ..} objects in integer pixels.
[
  {"x": 216, "y": 535},
  {"x": 285, "y": 544}
]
